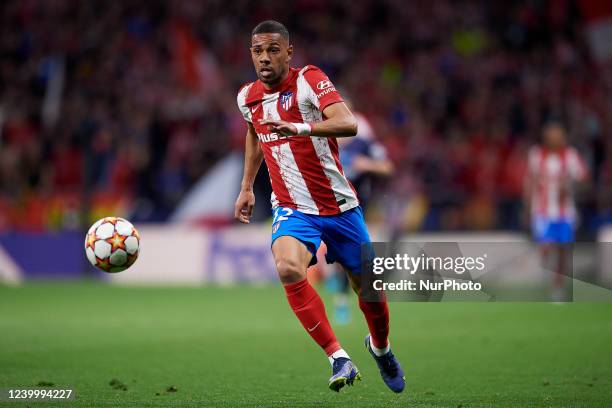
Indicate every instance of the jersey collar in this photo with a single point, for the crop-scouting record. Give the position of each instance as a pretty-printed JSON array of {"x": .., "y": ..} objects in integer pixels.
[
  {"x": 290, "y": 76},
  {"x": 258, "y": 91}
]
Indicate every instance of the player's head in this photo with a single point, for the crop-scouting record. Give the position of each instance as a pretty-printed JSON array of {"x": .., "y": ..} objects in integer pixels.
[
  {"x": 553, "y": 134},
  {"x": 271, "y": 51}
]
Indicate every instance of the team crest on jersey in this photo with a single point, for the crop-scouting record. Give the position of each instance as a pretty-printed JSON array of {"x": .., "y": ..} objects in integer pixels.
[{"x": 286, "y": 100}]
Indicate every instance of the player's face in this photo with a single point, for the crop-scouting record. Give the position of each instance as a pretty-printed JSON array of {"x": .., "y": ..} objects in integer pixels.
[
  {"x": 554, "y": 136},
  {"x": 271, "y": 54}
]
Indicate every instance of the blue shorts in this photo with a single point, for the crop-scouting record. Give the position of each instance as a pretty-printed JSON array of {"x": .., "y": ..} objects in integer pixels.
[
  {"x": 344, "y": 234},
  {"x": 546, "y": 230}
]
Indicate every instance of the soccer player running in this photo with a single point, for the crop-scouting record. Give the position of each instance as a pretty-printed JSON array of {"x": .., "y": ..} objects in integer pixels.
[
  {"x": 553, "y": 169},
  {"x": 294, "y": 116}
]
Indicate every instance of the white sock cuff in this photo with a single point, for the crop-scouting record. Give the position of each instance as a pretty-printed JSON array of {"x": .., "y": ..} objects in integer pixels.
[
  {"x": 378, "y": 351},
  {"x": 338, "y": 354}
]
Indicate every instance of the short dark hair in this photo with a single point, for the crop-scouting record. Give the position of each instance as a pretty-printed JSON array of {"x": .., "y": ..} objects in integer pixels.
[
  {"x": 271, "y": 26},
  {"x": 553, "y": 121}
]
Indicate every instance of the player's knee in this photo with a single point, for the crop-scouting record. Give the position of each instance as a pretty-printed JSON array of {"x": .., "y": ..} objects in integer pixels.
[{"x": 289, "y": 270}]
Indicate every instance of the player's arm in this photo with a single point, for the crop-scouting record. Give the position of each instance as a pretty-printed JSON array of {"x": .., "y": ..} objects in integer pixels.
[
  {"x": 375, "y": 162},
  {"x": 578, "y": 179},
  {"x": 527, "y": 189},
  {"x": 339, "y": 122},
  {"x": 377, "y": 167},
  {"x": 579, "y": 171},
  {"x": 529, "y": 184},
  {"x": 253, "y": 156}
]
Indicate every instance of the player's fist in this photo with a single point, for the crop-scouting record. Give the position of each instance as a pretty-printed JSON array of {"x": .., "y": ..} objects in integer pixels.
[
  {"x": 281, "y": 127},
  {"x": 244, "y": 206}
]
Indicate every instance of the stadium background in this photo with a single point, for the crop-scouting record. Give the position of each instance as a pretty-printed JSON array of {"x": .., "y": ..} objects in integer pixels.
[{"x": 128, "y": 108}]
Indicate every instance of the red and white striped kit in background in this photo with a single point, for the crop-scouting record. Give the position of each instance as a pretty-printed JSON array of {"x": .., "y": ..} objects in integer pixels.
[
  {"x": 552, "y": 173},
  {"x": 305, "y": 171}
]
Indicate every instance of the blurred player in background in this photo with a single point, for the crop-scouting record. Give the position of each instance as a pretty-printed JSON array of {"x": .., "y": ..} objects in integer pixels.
[
  {"x": 294, "y": 116},
  {"x": 553, "y": 170},
  {"x": 363, "y": 159}
]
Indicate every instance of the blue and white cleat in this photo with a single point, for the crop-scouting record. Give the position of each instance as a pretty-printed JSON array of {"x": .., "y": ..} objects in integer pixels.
[
  {"x": 390, "y": 369},
  {"x": 344, "y": 373}
]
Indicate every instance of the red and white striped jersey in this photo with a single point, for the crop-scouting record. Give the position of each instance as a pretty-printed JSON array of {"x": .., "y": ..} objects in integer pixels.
[
  {"x": 552, "y": 174},
  {"x": 305, "y": 171}
]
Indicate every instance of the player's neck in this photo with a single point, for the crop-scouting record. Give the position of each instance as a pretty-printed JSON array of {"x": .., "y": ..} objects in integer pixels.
[{"x": 280, "y": 81}]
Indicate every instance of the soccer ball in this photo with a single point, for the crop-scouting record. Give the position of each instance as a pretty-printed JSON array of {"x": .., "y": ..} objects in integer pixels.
[{"x": 112, "y": 244}]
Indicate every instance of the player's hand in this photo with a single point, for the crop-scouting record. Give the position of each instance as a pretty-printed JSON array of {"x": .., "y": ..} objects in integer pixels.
[
  {"x": 244, "y": 206},
  {"x": 280, "y": 126},
  {"x": 361, "y": 164}
]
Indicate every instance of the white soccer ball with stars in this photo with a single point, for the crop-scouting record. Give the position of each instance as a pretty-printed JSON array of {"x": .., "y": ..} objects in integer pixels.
[{"x": 112, "y": 244}]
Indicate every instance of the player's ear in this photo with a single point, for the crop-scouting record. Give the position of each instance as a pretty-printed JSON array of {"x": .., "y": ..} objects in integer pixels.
[{"x": 289, "y": 52}]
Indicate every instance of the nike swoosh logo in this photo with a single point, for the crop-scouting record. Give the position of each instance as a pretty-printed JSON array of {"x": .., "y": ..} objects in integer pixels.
[
  {"x": 253, "y": 110},
  {"x": 315, "y": 326}
]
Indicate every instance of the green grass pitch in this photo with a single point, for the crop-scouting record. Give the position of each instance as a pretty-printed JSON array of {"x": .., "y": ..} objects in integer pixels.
[{"x": 242, "y": 346}]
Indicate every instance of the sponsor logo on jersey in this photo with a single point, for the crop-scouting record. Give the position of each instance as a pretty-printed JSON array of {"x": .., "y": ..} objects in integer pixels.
[
  {"x": 325, "y": 92},
  {"x": 270, "y": 137},
  {"x": 286, "y": 100},
  {"x": 326, "y": 83}
]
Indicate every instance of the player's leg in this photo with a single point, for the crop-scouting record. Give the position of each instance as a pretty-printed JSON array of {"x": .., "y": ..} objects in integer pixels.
[
  {"x": 341, "y": 309},
  {"x": 292, "y": 259},
  {"x": 550, "y": 259},
  {"x": 558, "y": 267},
  {"x": 376, "y": 315},
  {"x": 344, "y": 239},
  {"x": 554, "y": 238},
  {"x": 344, "y": 235},
  {"x": 543, "y": 234},
  {"x": 294, "y": 245},
  {"x": 563, "y": 235}
]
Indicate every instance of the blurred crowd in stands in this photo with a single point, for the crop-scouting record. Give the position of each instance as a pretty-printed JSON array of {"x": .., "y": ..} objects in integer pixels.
[{"x": 120, "y": 106}]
